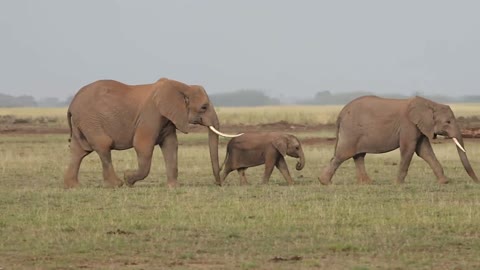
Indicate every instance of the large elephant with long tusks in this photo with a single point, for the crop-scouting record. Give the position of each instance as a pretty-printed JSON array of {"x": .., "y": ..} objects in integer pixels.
[
  {"x": 372, "y": 124},
  {"x": 108, "y": 115}
]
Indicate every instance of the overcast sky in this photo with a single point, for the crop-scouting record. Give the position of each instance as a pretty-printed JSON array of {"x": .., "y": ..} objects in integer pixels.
[{"x": 288, "y": 48}]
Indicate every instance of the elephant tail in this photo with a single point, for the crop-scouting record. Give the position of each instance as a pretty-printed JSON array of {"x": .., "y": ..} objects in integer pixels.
[
  {"x": 69, "y": 120},
  {"x": 339, "y": 119},
  {"x": 225, "y": 160}
]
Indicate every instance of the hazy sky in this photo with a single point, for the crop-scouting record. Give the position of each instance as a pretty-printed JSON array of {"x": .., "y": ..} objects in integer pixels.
[{"x": 289, "y": 48}]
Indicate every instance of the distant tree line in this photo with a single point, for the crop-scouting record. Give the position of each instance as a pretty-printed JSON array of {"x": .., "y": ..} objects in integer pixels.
[
  {"x": 327, "y": 98},
  {"x": 21, "y": 101},
  {"x": 245, "y": 98}
]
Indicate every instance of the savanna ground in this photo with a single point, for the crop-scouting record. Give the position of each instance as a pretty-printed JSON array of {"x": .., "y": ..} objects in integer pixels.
[{"x": 418, "y": 225}]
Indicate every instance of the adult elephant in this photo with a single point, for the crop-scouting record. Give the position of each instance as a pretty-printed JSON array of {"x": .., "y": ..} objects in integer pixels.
[
  {"x": 108, "y": 115},
  {"x": 372, "y": 124}
]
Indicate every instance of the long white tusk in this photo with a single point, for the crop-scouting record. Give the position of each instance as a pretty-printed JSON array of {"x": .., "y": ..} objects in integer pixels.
[
  {"x": 223, "y": 134},
  {"x": 458, "y": 144}
]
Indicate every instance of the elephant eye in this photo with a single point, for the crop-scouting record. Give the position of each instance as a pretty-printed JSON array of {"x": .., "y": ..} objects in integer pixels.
[
  {"x": 448, "y": 121},
  {"x": 204, "y": 107}
]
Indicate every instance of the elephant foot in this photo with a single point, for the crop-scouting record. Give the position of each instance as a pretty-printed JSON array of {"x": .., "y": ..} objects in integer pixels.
[
  {"x": 400, "y": 182},
  {"x": 366, "y": 181},
  {"x": 324, "y": 182},
  {"x": 129, "y": 183},
  {"x": 113, "y": 183},
  {"x": 443, "y": 180},
  {"x": 71, "y": 184},
  {"x": 129, "y": 180},
  {"x": 172, "y": 184}
]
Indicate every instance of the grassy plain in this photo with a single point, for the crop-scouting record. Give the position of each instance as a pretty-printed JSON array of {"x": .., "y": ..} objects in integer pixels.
[
  {"x": 419, "y": 225},
  {"x": 303, "y": 115}
]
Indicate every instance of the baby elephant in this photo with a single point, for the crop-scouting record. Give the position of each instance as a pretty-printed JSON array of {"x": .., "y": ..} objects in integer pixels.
[{"x": 256, "y": 148}]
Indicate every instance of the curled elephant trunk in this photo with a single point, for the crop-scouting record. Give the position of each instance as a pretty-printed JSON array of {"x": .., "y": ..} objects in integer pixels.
[
  {"x": 457, "y": 138},
  {"x": 301, "y": 162}
]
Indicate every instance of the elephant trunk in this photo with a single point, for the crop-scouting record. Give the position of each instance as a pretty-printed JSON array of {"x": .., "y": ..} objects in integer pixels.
[
  {"x": 213, "y": 146},
  {"x": 301, "y": 162},
  {"x": 463, "y": 156}
]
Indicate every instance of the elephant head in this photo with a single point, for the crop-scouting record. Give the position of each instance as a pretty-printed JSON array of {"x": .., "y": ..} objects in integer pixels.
[
  {"x": 434, "y": 119},
  {"x": 189, "y": 104},
  {"x": 289, "y": 145}
]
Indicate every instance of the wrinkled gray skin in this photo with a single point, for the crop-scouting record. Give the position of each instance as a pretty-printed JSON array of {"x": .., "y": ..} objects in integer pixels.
[
  {"x": 108, "y": 115},
  {"x": 372, "y": 124},
  {"x": 256, "y": 148}
]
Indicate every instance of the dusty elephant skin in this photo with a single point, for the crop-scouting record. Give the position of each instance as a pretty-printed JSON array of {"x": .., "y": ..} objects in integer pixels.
[
  {"x": 108, "y": 115},
  {"x": 256, "y": 148},
  {"x": 372, "y": 124}
]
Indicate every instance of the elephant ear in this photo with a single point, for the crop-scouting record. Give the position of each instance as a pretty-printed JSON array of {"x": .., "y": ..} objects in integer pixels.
[
  {"x": 420, "y": 112},
  {"x": 280, "y": 144},
  {"x": 172, "y": 103}
]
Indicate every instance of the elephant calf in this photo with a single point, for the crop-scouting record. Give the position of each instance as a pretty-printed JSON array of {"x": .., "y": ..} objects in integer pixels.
[{"x": 256, "y": 148}]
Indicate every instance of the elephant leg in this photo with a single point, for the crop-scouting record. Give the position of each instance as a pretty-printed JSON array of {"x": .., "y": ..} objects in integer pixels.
[
  {"x": 144, "y": 156},
  {"x": 406, "y": 152},
  {"x": 283, "y": 168},
  {"x": 329, "y": 171},
  {"x": 425, "y": 151},
  {"x": 362, "y": 175},
  {"x": 102, "y": 146},
  {"x": 77, "y": 153},
  {"x": 344, "y": 150},
  {"x": 243, "y": 178},
  {"x": 271, "y": 158},
  {"x": 109, "y": 176},
  {"x": 169, "y": 148},
  {"x": 269, "y": 165}
]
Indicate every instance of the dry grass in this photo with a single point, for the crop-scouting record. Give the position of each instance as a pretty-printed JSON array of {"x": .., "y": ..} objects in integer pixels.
[
  {"x": 419, "y": 225},
  {"x": 465, "y": 109},
  {"x": 34, "y": 116},
  {"x": 305, "y": 115},
  {"x": 312, "y": 115},
  {"x": 34, "y": 112}
]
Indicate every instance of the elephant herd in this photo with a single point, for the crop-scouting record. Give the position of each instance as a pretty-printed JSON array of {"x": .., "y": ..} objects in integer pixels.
[{"x": 109, "y": 115}]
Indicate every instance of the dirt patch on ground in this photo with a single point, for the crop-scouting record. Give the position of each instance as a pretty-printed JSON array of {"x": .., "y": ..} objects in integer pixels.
[
  {"x": 471, "y": 133},
  {"x": 317, "y": 140},
  {"x": 28, "y": 129}
]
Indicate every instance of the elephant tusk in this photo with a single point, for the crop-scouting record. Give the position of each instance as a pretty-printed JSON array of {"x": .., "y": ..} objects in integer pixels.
[
  {"x": 458, "y": 144},
  {"x": 223, "y": 134}
]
